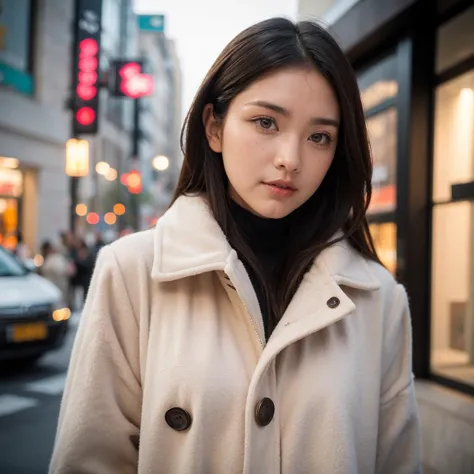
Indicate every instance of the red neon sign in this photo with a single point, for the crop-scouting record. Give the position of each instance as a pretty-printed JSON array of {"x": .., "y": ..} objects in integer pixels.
[
  {"x": 88, "y": 64},
  {"x": 85, "y": 115},
  {"x": 134, "y": 83}
]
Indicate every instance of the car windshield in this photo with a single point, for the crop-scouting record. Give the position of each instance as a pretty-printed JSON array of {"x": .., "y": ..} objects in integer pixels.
[{"x": 10, "y": 266}]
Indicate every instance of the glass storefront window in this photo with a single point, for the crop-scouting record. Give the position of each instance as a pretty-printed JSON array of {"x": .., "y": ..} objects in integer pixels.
[
  {"x": 452, "y": 292},
  {"x": 455, "y": 41},
  {"x": 11, "y": 182},
  {"x": 11, "y": 189},
  {"x": 382, "y": 129},
  {"x": 385, "y": 242},
  {"x": 454, "y": 135},
  {"x": 378, "y": 84},
  {"x": 8, "y": 222}
]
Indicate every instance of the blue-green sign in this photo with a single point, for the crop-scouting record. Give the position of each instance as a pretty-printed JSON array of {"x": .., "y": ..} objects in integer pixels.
[
  {"x": 19, "y": 80},
  {"x": 15, "y": 45},
  {"x": 152, "y": 23}
]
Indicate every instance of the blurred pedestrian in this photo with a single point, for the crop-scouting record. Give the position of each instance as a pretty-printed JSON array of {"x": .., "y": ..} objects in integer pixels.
[
  {"x": 84, "y": 265},
  {"x": 56, "y": 268},
  {"x": 67, "y": 248},
  {"x": 99, "y": 243},
  {"x": 254, "y": 330},
  {"x": 21, "y": 251}
]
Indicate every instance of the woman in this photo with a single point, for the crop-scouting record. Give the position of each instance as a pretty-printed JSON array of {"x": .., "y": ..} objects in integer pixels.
[
  {"x": 254, "y": 329},
  {"x": 55, "y": 268}
]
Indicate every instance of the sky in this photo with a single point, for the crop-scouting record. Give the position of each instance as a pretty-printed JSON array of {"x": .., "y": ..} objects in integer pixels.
[{"x": 202, "y": 28}]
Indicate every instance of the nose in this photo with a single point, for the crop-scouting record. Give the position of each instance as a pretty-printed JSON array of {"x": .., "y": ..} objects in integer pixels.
[{"x": 288, "y": 157}]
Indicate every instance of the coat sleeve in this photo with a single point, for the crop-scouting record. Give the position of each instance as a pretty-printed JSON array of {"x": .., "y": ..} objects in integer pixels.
[
  {"x": 399, "y": 439},
  {"x": 98, "y": 428}
]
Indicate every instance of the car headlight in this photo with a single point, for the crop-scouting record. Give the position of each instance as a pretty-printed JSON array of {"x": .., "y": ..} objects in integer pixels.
[{"x": 60, "y": 312}]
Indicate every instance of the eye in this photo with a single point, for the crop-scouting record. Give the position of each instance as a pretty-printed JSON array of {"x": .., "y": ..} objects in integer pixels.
[
  {"x": 321, "y": 139},
  {"x": 265, "y": 122}
]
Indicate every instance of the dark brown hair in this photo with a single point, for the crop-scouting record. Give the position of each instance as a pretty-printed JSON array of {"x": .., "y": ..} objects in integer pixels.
[{"x": 341, "y": 201}]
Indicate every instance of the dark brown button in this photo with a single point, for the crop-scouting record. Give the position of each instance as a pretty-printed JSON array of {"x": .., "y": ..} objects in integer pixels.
[
  {"x": 333, "y": 302},
  {"x": 264, "y": 412},
  {"x": 178, "y": 419}
]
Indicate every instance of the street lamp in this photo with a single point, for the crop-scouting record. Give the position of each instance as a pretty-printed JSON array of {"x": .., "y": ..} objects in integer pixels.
[
  {"x": 161, "y": 163},
  {"x": 77, "y": 158}
]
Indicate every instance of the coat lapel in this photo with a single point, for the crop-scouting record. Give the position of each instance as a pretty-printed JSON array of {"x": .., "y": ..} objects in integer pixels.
[{"x": 188, "y": 241}]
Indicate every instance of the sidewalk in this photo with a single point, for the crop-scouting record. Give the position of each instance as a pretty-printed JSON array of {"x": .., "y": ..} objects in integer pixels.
[{"x": 447, "y": 424}]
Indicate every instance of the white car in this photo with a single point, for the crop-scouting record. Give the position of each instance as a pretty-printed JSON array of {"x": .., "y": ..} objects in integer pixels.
[{"x": 33, "y": 317}]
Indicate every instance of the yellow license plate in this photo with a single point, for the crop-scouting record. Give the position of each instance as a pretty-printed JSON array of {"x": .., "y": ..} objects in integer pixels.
[{"x": 29, "y": 332}]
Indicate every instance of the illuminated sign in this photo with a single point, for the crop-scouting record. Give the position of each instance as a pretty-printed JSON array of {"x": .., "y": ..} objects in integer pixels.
[
  {"x": 86, "y": 66},
  {"x": 130, "y": 81}
]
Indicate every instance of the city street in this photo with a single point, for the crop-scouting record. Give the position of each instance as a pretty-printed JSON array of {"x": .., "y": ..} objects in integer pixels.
[{"x": 29, "y": 407}]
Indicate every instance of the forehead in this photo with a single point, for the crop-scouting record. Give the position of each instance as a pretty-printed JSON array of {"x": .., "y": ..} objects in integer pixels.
[{"x": 296, "y": 89}]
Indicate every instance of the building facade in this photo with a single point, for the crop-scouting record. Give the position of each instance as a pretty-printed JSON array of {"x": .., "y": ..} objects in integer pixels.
[
  {"x": 160, "y": 119},
  {"x": 35, "y": 78},
  {"x": 415, "y": 65},
  {"x": 35, "y": 44},
  {"x": 100, "y": 192}
]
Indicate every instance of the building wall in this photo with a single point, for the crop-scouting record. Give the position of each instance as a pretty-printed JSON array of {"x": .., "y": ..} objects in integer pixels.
[
  {"x": 161, "y": 118},
  {"x": 34, "y": 129}
]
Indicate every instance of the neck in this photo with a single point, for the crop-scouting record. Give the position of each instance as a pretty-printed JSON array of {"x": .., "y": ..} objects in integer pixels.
[{"x": 262, "y": 234}]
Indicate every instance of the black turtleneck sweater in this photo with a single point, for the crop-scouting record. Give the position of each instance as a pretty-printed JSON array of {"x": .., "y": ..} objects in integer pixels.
[{"x": 268, "y": 239}]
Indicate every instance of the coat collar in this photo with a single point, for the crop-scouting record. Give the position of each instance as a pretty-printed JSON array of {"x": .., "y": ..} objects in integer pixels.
[{"x": 188, "y": 241}]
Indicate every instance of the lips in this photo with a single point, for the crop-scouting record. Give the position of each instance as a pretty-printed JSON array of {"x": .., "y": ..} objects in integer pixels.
[{"x": 282, "y": 185}]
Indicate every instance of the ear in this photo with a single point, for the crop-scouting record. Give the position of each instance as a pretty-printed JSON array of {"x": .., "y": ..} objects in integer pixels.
[{"x": 213, "y": 128}]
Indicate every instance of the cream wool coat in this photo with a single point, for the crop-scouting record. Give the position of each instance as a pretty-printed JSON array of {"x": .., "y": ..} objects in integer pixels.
[{"x": 172, "y": 320}]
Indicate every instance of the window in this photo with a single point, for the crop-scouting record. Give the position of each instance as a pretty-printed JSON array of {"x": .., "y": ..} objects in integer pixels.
[
  {"x": 454, "y": 136},
  {"x": 452, "y": 280},
  {"x": 378, "y": 84},
  {"x": 452, "y": 292},
  {"x": 379, "y": 88},
  {"x": 382, "y": 129},
  {"x": 455, "y": 41},
  {"x": 15, "y": 41},
  {"x": 385, "y": 241}
]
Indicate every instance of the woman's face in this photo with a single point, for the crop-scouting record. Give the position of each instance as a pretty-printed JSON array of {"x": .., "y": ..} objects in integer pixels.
[{"x": 277, "y": 140}]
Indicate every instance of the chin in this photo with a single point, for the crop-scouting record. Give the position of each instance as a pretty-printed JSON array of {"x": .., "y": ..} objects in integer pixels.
[{"x": 274, "y": 210}]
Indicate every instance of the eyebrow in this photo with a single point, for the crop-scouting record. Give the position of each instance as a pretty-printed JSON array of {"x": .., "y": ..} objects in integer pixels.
[{"x": 286, "y": 113}]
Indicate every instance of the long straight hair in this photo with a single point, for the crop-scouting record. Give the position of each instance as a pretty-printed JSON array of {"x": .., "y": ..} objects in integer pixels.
[{"x": 341, "y": 201}]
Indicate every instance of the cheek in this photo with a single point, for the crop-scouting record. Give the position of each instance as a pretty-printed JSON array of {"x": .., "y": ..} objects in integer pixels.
[
  {"x": 316, "y": 169},
  {"x": 243, "y": 151}
]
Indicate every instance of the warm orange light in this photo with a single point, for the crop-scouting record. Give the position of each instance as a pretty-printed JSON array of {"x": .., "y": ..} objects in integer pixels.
[
  {"x": 124, "y": 179},
  {"x": 77, "y": 157},
  {"x": 110, "y": 218},
  {"x": 9, "y": 162},
  {"x": 119, "y": 209},
  {"x": 81, "y": 210},
  {"x": 134, "y": 182},
  {"x": 93, "y": 218},
  {"x": 62, "y": 314}
]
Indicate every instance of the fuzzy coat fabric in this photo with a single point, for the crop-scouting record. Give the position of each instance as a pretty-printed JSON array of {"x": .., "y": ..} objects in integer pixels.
[{"x": 172, "y": 320}]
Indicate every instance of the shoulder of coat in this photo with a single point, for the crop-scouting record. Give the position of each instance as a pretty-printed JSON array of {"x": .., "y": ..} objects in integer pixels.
[
  {"x": 386, "y": 279},
  {"x": 134, "y": 250}
]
